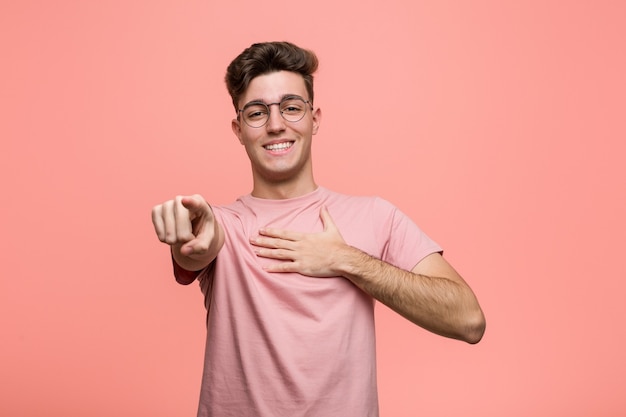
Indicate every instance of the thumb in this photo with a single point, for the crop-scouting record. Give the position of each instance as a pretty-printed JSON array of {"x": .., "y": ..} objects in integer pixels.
[{"x": 197, "y": 247}]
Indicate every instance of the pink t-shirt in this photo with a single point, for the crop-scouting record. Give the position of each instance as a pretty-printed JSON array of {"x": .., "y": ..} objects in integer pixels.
[{"x": 284, "y": 344}]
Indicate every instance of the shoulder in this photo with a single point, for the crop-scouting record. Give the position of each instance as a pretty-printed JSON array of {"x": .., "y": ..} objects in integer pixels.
[
  {"x": 358, "y": 201},
  {"x": 369, "y": 212},
  {"x": 234, "y": 207},
  {"x": 230, "y": 213}
]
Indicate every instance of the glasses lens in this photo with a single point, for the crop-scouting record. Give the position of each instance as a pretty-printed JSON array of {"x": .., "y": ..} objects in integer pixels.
[
  {"x": 293, "y": 109},
  {"x": 255, "y": 114}
]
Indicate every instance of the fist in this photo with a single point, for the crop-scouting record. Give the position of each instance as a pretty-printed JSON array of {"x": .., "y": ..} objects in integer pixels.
[{"x": 185, "y": 223}]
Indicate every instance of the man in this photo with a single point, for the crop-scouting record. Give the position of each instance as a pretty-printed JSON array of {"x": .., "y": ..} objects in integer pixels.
[{"x": 290, "y": 271}]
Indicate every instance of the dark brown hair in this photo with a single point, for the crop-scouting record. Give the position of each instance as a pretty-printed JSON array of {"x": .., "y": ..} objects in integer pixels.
[{"x": 267, "y": 57}]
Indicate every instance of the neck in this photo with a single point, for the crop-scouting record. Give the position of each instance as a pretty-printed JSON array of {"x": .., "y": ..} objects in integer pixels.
[{"x": 282, "y": 190}]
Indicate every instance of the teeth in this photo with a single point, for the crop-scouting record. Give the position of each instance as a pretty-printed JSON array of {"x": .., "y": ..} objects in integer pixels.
[{"x": 278, "y": 146}]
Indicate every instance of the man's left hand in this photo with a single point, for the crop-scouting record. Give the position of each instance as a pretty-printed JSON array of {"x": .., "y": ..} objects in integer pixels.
[{"x": 312, "y": 254}]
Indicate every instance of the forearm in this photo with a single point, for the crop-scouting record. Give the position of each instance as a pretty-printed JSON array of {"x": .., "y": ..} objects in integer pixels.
[
  {"x": 184, "y": 276},
  {"x": 441, "y": 305}
]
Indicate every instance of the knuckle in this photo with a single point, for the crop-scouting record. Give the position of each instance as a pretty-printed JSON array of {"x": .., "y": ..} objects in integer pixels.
[
  {"x": 170, "y": 239},
  {"x": 165, "y": 207},
  {"x": 287, "y": 266}
]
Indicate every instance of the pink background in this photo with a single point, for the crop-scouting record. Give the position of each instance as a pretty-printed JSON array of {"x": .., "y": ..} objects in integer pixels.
[{"x": 498, "y": 126}]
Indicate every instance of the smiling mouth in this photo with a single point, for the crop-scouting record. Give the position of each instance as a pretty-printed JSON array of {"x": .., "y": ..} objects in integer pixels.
[{"x": 279, "y": 146}]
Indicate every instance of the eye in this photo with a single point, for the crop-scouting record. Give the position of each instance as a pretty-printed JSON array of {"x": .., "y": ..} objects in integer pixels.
[
  {"x": 292, "y": 106},
  {"x": 255, "y": 112}
]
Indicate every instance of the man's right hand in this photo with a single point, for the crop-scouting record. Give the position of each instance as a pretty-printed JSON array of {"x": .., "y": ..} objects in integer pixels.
[{"x": 187, "y": 224}]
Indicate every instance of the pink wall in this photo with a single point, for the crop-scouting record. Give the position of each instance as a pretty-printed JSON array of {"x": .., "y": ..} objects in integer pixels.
[{"x": 499, "y": 126}]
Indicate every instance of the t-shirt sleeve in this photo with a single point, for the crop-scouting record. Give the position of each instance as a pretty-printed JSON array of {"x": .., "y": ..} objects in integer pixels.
[
  {"x": 182, "y": 275},
  {"x": 405, "y": 243}
]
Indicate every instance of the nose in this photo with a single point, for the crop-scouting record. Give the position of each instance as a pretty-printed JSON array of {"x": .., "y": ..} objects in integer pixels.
[{"x": 275, "y": 122}]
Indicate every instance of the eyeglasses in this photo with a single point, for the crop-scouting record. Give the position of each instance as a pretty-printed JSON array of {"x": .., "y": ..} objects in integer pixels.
[{"x": 257, "y": 113}]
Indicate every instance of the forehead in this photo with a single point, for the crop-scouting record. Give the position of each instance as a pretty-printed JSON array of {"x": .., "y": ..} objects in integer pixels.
[{"x": 273, "y": 86}]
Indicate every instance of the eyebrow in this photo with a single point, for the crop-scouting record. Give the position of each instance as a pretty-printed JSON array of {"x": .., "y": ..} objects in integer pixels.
[{"x": 282, "y": 98}]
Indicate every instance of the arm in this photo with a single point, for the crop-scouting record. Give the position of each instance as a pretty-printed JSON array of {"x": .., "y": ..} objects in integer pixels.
[
  {"x": 188, "y": 225},
  {"x": 433, "y": 295}
]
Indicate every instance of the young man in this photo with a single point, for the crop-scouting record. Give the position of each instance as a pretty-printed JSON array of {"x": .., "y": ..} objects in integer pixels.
[{"x": 290, "y": 271}]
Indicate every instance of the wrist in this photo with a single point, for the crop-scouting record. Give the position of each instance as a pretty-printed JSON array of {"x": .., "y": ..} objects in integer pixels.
[{"x": 350, "y": 263}]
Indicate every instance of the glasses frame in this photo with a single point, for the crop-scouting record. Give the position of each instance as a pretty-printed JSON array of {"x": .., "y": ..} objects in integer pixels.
[{"x": 268, "y": 106}]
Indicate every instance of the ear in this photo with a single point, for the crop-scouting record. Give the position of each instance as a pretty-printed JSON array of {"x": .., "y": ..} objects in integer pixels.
[
  {"x": 317, "y": 118},
  {"x": 236, "y": 126}
]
